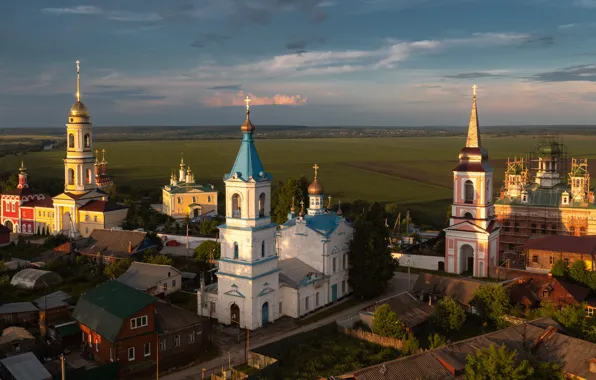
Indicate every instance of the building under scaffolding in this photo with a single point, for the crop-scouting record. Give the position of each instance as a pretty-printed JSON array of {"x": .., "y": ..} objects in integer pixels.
[{"x": 540, "y": 196}]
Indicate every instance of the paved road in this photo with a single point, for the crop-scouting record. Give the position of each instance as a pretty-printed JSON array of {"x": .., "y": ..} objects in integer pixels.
[{"x": 398, "y": 284}]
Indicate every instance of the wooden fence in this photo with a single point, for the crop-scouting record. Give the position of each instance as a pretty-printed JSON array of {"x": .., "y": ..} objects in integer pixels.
[{"x": 374, "y": 338}]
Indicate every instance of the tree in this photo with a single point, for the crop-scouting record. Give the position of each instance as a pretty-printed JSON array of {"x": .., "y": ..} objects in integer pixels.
[
  {"x": 282, "y": 198},
  {"x": 492, "y": 363},
  {"x": 411, "y": 345},
  {"x": 491, "y": 301},
  {"x": 559, "y": 269},
  {"x": 371, "y": 264},
  {"x": 578, "y": 272},
  {"x": 386, "y": 323},
  {"x": 448, "y": 315},
  {"x": 117, "y": 268},
  {"x": 436, "y": 341},
  {"x": 156, "y": 240},
  {"x": 158, "y": 259},
  {"x": 55, "y": 240},
  {"x": 205, "y": 249}
]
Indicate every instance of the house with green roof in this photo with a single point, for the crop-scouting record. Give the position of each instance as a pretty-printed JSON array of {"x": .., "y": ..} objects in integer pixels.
[{"x": 118, "y": 324}]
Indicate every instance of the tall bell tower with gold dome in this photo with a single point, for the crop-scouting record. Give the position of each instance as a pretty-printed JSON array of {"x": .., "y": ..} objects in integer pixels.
[{"x": 79, "y": 174}]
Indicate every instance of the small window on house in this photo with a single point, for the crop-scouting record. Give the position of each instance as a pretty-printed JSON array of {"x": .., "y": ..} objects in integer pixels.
[
  {"x": 280, "y": 307},
  {"x": 506, "y": 226},
  {"x": 263, "y": 249},
  {"x": 131, "y": 354},
  {"x": 147, "y": 349},
  {"x": 137, "y": 322},
  {"x": 317, "y": 299},
  {"x": 162, "y": 345},
  {"x": 173, "y": 283},
  {"x": 551, "y": 260},
  {"x": 511, "y": 246},
  {"x": 566, "y": 262},
  {"x": 345, "y": 261},
  {"x": 179, "y": 200},
  {"x": 543, "y": 229},
  {"x": 343, "y": 287},
  {"x": 306, "y": 304},
  {"x": 177, "y": 340},
  {"x": 534, "y": 259},
  {"x": 191, "y": 337},
  {"x": 235, "y": 250},
  {"x": 212, "y": 307},
  {"x": 209, "y": 198},
  {"x": 334, "y": 264},
  {"x": 545, "y": 294},
  {"x": 590, "y": 311},
  {"x": 165, "y": 286},
  {"x": 194, "y": 199}
]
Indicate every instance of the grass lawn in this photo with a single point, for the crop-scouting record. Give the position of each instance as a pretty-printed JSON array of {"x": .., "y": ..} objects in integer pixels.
[
  {"x": 331, "y": 354},
  {"x": 412, "y": 172}
]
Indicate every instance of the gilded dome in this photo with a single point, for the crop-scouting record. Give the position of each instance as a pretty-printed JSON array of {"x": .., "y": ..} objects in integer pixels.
[
  {"x": 79, "y": 109},
  {"x": 247, "y": 126},
  {"x": 315, "y": 188}
]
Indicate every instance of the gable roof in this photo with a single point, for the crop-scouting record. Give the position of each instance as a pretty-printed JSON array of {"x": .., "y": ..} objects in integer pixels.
[
  {"x": 172, "y": 318},
  {"x": 563, "y": 243},
  {"x": 26, "y": 367},
  {"x": 104, "y": 308},
  {"x": 52, "y": 300},
  {"x": 102, "y": 206},
  {"x": 144, "y": 276},
  {"x": 47, "y": 202},
  {"x": 410, "y": 310},
  {"x": 574, "y": 354},
  {"x": 460, "y": 289},
  {"x": 528, "y": 290},
  {"x": 296, "y": 272},
  {"x": 15, "y": 333},
  {"x": 17, "y": 307},
  {"x": 115, "y": 240}
]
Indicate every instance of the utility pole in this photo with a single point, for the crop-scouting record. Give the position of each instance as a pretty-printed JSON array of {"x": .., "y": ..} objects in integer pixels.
[
  {"x": 157, "y": 359},
  {"x": 62, "y": 366},
  {"x": 187, "y": 235}
]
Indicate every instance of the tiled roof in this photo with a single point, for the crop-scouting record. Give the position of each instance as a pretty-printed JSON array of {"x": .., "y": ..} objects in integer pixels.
[
  {"x": 144, "y": 276},
  {"x": 295, "y": 272},
  {"x": 563, "y": 243},
  {"x": 104, "y": 308},
  {"x": 461, "y": 290},
  {"x": 186, "y": 187},
  {"x": 248, "y": 164},
  {"x": 410, "y": 310},
  {"x": 574, "y": 355},
  {"x": 47, "y": 202},
  {"x": 102, "y": 206}
]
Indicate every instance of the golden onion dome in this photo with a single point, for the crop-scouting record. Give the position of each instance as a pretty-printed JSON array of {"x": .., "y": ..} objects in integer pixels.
[
  {"x": 247, "y": 126},
  {"x": 315, "y": 188},
  {"x": 79, "y": 109}
]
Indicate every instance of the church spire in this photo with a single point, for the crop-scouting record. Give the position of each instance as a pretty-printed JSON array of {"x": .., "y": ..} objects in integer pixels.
[
  {"x": 22, "y": 177},
  {"x": 473, "y": 140},
  {"x": 79, "y": 109},
  {"x": 78, "y": 80},
  {"x": 247, "y": 127}
]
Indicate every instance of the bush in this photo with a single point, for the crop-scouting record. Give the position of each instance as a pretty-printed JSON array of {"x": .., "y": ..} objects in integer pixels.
[
  {"x": 204, "y": 250},
  {"x": 491, "y": 301},
  {"x": 411, "y": 345},
  {"x": 559, "y": 269},
  {"x": 448, "y": 315},
  {"x": 436, "y": 341}
]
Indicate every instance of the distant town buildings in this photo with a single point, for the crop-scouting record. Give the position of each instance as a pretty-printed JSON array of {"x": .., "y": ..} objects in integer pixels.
[{"x": 183, "y": 198}]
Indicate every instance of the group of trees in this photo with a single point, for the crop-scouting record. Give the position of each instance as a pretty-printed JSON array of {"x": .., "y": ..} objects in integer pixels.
[
  {"x": 577, "y": 272},
  {"x": 491, "y": 301}
]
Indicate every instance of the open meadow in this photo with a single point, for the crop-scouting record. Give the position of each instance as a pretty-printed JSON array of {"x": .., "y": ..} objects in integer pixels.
[{"x": 413, "y": 172}]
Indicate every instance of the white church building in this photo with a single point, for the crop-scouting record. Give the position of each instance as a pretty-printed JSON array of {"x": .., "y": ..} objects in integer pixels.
[{"x": 267, "y": 271}]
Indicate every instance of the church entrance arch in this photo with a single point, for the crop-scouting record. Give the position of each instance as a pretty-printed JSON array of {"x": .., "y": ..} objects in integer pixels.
[
  {"x": 66, "y": 221},
  {"x": 466, "y": 254},
  {"x": 441, "y": 266},
  {"x": 265, "y": 314},
  {"x": 8, "y": 224},
  {"x": 235, "y": 314},
  {"x": 196, "y": 212}
]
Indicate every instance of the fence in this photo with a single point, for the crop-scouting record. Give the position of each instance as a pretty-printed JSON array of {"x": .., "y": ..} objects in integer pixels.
[{"x": 374, "y": 338}]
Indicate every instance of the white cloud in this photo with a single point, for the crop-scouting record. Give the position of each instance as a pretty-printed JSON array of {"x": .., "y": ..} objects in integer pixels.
[
  {"x": 79, "y": 10},
  {"x": 567, "y": 26},
  {"x": 133, "y": 17},
  {"x": 585, "y": 3}
]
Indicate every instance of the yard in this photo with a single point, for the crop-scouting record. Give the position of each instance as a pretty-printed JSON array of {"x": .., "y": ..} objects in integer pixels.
[{"x": 473, "y": 326}]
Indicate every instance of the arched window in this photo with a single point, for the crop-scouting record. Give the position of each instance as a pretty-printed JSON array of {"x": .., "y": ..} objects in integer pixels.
[
  {"x": 572, "y": 231},
  {"x": 179, "y": 200},
  {"x": 469, "y": 192},
  {"x": 87, "y": 141},
  {"x": 194, "y": 199},
  {"x": 263, "y": 249},
  {"x": 71, "y": 176},
  {"x": 71, "y": 141},
  {"x": 209, "y": 198},
  {"x": 467, "y": 215},
  {"x": 235, "y": 250},
  {"x": 236, "y": 209},
  {"x": 88, "y": 176},
  {"x": 262, "y": 205}
]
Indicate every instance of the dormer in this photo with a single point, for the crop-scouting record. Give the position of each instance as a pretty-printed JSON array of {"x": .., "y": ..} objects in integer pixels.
[{"x": 565, "y": 198}]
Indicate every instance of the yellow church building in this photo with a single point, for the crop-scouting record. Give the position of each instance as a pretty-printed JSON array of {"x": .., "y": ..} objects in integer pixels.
[
  {"x": 84, "y": 204},
  {"x": 184, "y": 198}
]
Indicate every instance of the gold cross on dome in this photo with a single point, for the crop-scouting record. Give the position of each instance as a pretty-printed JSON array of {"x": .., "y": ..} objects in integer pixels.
[
  {"x": 316, "y": 167},
  {"x": 302, "y": 203},
  {"x": 247, "y": 101},
  {"x": 474, "y": 87}
]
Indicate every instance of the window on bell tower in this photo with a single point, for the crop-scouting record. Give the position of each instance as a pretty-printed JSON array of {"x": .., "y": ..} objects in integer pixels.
[
  {"x": 87, "y": 141},
  {"x": 71, "y": 176},
  {"x": 71, "y": 140},
  {"x": 236, "y": 253},
  {"x": 88, "y": 176},
  {"x": 469, "y": 192},
  {"x": 236, "y": 209},
  {"x": 262, "y": 205}
]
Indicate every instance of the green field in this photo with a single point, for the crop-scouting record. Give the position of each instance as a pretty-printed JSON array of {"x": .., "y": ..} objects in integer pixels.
[{"x": 413, "y": 172}]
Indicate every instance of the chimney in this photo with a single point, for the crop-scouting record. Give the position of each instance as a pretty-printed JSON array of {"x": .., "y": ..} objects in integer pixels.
[
  {"x": 130, "y": 247},
  {"x": 593, "y": 365},
  {"x": 550, "y": 274},
  {"x": 450, "y": 361},
  {"x": 543, "y": 338}
]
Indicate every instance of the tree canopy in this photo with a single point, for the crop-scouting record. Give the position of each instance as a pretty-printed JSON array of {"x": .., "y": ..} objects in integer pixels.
[
  {"x": 371, "y": 264},
  {"x": 559, "y": 269},
  {"x": 158, "y": 259},
  {"x": 117, "y": 268},
  {"x": 448, "y": 315},
  {"x": 282, "y": 198},
  {"x": 204, "y": 250},
  {"x": 386, "y": 323},
  {"x": 491, "y": 301}
]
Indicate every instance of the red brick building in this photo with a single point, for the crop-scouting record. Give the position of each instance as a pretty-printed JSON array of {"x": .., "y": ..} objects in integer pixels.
[
  {"x": 118, "y": 324},
  {"x": 542, "y": 253}
]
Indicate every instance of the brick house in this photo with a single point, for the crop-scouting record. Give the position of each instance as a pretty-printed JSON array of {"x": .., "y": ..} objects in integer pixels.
[
  {"x": 118, "y": 324},
  {"x": 542, "y": 253},
  {"x": 535, "y": 288}
]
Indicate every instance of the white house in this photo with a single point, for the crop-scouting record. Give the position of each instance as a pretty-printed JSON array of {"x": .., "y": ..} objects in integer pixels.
[
  {"x": 154, "y": 279},
  {"x": 265, "y": 273}
]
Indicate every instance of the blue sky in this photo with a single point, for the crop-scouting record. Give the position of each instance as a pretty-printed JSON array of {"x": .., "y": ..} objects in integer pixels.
[{"x": 306, "y": 62}]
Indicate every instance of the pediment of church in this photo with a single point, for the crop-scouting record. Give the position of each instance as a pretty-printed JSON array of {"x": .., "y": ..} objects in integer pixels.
[{"x": 466, "y": 226}]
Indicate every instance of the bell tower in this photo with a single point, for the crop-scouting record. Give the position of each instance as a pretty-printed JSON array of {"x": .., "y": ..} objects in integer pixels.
[{"x": 79, "y": 173}]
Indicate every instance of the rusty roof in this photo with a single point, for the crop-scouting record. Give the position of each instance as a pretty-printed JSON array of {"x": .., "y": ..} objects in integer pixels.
[
  {"x": 47, "y": 202},
  {"x": 410, "y": 310},
  {"x": 102, "y": 206},
  {"x": 563, "y": 243},
  {"x": 460, "y": 289}
]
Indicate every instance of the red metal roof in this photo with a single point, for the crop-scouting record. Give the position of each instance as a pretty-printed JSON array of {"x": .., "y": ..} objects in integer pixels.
[
  {"x": 561, "y": 243},
  {"x": 48, "y": 202}
]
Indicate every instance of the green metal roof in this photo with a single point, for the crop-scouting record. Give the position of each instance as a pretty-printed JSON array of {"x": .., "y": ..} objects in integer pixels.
[
  {"x": 186, "y": 187},
  {"x": 104, "y": 308},
  {"x": 68, "y": 329},
  {"x": 542, "y": 197}
]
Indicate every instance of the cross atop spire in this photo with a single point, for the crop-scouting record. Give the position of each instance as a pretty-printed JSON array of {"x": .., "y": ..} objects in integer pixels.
[
  {"x": 78, "y": 81},
  {"x": 316, "y": 167},
  {"x": 473, "y": 140},
  {"x": 292, "y": 209},
  {"x": 247, "y": 101}
]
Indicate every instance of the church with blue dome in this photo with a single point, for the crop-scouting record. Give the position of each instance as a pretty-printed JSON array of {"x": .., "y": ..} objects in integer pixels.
[{"x": 265, "y": 270}]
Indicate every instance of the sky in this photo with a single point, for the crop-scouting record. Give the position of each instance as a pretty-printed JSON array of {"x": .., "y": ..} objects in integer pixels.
[{"x": 302, "y": 62}]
